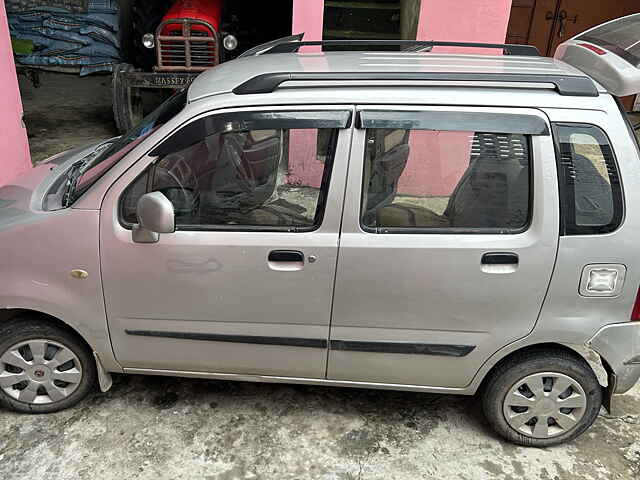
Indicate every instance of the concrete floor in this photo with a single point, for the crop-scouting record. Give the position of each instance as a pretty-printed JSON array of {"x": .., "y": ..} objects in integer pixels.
[{"x": 154, "y": 427}]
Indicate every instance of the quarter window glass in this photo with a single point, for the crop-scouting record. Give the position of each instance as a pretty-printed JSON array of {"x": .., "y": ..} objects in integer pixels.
[
  {"x": 246, "y": 179},
  {"x": 445, "y": 181},
  {"x": 589, "y": 183},
  {"x": 129, "y": 202}
]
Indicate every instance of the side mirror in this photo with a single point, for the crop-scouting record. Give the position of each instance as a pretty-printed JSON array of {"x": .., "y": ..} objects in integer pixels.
[{"x": 156, "y": 216}]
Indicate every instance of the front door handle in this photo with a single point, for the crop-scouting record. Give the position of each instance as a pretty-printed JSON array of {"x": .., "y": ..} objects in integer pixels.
[
  {"x": 286, "y": 260},
  {"x": 499, "y": 262}
]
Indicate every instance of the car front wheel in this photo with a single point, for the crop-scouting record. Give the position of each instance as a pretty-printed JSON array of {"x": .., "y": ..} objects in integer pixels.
[{"x": 43, "y": 368}]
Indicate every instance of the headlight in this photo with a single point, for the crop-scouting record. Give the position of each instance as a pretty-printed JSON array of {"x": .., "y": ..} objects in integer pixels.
[
  {"x": 148, "y": 40},
  {"x": 230, "y": 42}
]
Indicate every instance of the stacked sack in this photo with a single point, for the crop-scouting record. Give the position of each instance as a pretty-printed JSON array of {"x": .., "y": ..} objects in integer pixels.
[{"x": 81, "y": 33}]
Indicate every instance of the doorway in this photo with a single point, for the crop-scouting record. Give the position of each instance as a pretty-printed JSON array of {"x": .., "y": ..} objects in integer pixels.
[{"x": 370, "y": 19}]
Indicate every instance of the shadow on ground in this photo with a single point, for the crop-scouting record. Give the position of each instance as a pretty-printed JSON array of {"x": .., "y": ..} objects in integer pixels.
[{"x": 157, "y": 427}]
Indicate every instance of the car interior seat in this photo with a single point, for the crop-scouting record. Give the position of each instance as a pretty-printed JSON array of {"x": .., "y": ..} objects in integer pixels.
[
  {"x": 492, "y": 193},
  {"x": 494, "y": 190},
  {"x": 386, "y": 160},
  {"x": 241, "y": 175}
]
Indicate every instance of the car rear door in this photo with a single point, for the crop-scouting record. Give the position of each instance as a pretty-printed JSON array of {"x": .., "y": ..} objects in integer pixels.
[{"x": 448, "y": 242}]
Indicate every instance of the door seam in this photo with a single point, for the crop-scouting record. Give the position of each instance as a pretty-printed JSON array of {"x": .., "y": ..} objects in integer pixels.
[{"x": 335, "y": 270}]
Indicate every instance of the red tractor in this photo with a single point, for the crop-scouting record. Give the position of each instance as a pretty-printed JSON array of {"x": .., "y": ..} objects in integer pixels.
[
  {"x": 166, "y": 52},
  {"x": 187, "y": 39},
  {"x": 167, "y": 43}
]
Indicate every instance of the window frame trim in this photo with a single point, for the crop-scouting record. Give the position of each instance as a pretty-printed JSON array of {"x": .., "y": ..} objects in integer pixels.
[
  {"x": 568, "y": 194},
  {"x": 454, "y": 120},
  {"x": 293, "y": 109}
]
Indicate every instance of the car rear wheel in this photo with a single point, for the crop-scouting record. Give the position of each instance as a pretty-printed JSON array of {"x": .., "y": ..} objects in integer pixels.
[
  {"x": 43, "y": 368},
  {"x": 542, "y": 398}
]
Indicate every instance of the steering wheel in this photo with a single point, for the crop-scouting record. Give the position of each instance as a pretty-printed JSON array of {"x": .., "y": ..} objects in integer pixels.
[
  {"x": 187, "y": 200},
  {"x": 244, "y": 173}
]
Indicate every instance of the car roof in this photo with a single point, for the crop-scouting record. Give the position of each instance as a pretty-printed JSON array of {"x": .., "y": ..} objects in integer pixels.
[{"x": 229, "y": 75}]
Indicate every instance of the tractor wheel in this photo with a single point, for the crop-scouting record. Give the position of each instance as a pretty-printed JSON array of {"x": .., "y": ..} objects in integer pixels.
[{"x": 127, "y": 101}]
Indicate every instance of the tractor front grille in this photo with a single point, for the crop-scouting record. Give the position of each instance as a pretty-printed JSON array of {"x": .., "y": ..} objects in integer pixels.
[{"x": 186, "y": 45}]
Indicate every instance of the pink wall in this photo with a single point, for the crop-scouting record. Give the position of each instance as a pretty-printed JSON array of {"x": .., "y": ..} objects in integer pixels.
[
  {"x": 14, "y": 147},
  {"x": 464, "y": 21},
  {"x": 459, "y": 21},
  {"x": 433, "y": 167},
  {"x": 304, "y": 167},
  {"x": 308, "y": 17},
  {"x": 437, "y": 161}
]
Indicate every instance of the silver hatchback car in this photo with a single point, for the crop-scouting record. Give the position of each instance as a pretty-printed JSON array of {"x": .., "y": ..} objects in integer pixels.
[{"x": 408, "y": 220}]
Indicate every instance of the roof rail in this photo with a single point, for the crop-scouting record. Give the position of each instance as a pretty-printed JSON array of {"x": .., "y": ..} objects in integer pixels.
[
  {"x": 264, "y": 47},
  {"x": 572, "y": 85},
  {"x": 294, "y": 43}
]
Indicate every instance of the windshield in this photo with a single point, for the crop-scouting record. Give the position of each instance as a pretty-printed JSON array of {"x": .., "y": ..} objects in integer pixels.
[
  {"x": 95, "y": 166},
  {"x": 621, "y": 37}
]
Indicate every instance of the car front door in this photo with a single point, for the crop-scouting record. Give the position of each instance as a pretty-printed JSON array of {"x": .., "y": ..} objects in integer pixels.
[
  {"x": 448, "y": 242},
  {"x": 245, "y": 283}
]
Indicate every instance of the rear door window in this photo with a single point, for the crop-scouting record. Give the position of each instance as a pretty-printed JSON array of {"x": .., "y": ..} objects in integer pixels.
[
  {"x": 455, "y": 180},
  {"x": 471, "y": 176}
]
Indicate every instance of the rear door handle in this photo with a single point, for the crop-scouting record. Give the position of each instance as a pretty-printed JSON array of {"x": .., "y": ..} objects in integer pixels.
[
  {"x": 286, "y": 260},
  {"x": 499, "y": 258},
  {"x": 499, "y": 262}
]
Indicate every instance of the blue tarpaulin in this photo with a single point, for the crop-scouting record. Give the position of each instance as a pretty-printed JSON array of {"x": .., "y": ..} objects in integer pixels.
[{"x": 88, "y": 40}]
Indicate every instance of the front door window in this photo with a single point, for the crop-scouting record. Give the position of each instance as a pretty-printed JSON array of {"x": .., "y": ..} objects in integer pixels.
[{"x": 242, "y": 175}]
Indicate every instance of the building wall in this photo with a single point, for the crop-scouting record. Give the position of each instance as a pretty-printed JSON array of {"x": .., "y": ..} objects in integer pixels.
[
  {"x": 436, "y": 160},
  {"x": 308, "y": 16},
  {"x": 14, "y": 147},
  {"x": 304, "y": 169},
  {"x": 430, "y": 169},
  {"x": 464, "y": 20}
]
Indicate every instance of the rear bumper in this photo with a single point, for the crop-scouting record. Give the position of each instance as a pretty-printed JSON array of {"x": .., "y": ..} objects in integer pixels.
[{"x": 619, "y": 346}]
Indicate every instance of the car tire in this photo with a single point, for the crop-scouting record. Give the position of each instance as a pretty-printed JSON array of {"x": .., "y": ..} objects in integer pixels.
[
  {"x": 43, "y": 368},
  {"x": 532, "y": 384}
]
